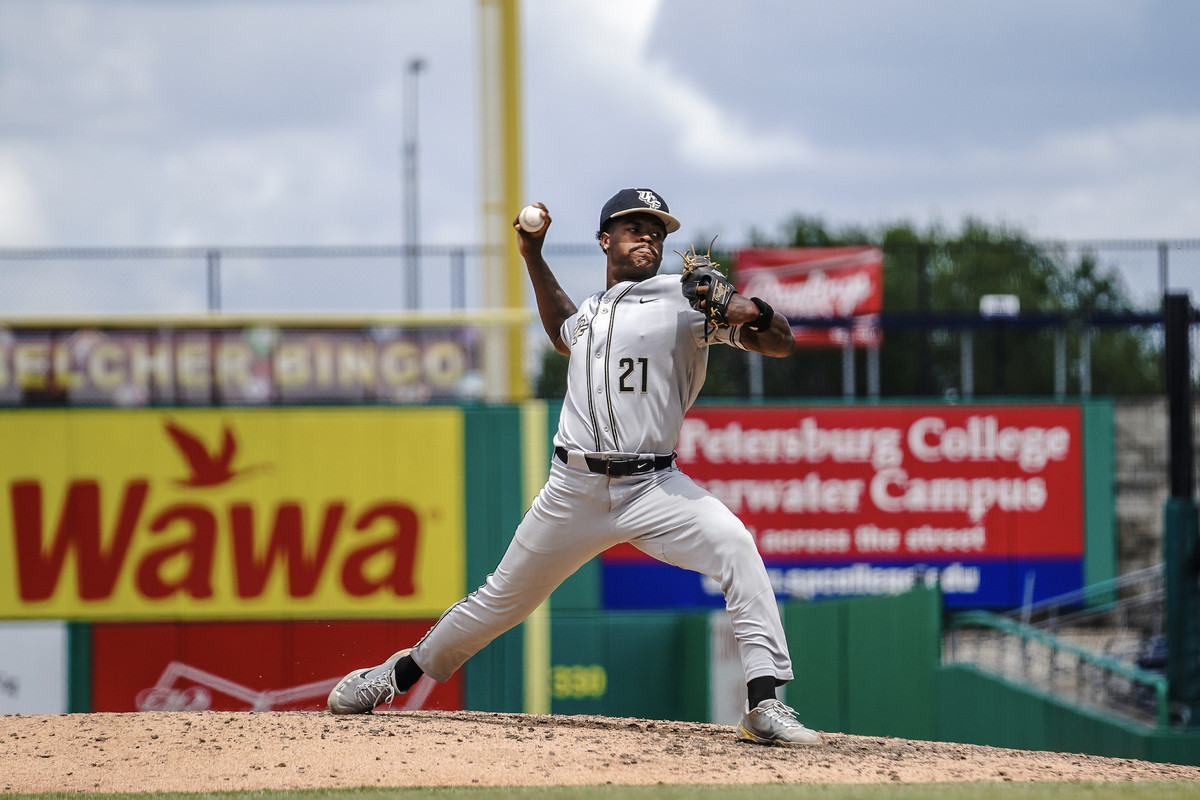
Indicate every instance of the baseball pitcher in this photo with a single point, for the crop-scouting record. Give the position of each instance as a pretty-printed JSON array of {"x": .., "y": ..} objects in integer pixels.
[{"x": 638, "y": 355}]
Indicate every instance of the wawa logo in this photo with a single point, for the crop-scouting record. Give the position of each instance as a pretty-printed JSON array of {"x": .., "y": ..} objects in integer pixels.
[
  {"x": 208, "y": 469},
  {"x": 195, "y": 545}
]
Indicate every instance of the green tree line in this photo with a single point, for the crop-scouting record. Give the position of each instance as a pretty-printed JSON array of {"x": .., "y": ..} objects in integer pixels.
[{"x": 933, "y": 276}]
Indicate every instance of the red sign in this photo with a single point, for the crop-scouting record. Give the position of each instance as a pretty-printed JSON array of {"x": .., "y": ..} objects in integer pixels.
[
  {"x": 815, "y": 282},
  {"x": 247, "y": 666},
  {"x": 895, "y": 482},
  {"x": 985, "y": 501}
]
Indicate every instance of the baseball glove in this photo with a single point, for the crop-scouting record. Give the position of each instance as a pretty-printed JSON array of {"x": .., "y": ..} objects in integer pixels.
[{"x": 701, "y": 270}]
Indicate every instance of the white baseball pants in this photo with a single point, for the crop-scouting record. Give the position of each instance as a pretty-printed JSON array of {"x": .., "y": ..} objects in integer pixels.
[{"x": 578, "y": 515}]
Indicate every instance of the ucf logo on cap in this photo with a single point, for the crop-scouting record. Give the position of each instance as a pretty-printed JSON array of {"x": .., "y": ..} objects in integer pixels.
[{"x": 649, "y": 198}]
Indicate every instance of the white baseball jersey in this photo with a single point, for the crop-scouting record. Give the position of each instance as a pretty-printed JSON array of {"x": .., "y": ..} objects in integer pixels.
[{"x": 638, "y": 359}]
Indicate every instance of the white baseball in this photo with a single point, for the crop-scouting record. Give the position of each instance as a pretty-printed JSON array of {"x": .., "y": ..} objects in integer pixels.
[{"x": 531, "y": 219}]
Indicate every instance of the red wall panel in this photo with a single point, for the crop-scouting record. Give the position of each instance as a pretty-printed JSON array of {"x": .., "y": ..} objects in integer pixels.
[{"x": 247, "y": 666}]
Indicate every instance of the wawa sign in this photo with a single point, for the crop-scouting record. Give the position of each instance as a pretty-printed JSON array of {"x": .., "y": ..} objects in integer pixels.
[{"x": 231, "y": 514}]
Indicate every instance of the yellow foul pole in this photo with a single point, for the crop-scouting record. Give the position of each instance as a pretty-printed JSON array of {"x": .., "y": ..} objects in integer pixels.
[
  {"x": 502, "y": 190},
  {"x": 503, "y": 197}
]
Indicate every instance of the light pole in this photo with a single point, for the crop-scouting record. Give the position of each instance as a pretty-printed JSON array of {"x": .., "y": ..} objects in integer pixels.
[{"x": 412, "y": 289}]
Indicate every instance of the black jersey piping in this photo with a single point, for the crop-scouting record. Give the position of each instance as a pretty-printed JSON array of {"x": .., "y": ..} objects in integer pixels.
[{"x": 587, "y": 369}]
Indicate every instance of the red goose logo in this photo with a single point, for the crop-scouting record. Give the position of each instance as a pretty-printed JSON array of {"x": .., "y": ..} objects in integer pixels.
[{"x": 208, "y": 468}]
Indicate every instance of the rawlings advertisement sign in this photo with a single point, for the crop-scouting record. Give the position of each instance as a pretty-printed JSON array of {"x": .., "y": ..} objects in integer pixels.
[
  {"x": 984, "y": 501},
  {"x": 818, "y": 282},
  {"x": 196, "y": 513}
]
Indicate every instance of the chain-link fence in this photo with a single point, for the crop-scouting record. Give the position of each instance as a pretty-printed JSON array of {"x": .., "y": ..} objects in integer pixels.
[
  {"x": 165, "y": 280},
  {"x": 934, "y": 341},
  {"x": 1148, "y": 269}
]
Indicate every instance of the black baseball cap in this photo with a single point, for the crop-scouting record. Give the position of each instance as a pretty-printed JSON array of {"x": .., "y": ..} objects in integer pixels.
[{"x": 638, "y": 201}]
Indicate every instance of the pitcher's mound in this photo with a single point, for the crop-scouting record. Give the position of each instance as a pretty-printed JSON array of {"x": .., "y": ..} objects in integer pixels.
[{"x": 223, "y": 751}]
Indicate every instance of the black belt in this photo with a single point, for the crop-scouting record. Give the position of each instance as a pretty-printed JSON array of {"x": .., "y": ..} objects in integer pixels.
[{"x": 621, "y": 466}]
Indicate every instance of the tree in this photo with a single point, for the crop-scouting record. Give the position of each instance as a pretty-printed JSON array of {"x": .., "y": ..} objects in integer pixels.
[
  {"x": 933, "y": 275},
  {"x": 930, "y": 275}
]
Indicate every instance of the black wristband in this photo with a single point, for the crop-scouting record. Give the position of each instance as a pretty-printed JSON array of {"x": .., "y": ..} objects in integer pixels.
[{"x": 765, "y": 315}]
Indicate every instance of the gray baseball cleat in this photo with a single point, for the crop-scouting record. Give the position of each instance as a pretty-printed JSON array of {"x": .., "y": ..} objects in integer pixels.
[
  {"x": 771, "y": 722},
  {"x": 364, "y": 689}
]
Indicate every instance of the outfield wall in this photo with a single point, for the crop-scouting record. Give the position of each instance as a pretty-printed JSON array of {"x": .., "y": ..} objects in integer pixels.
[{"x": 246, "y": 557}]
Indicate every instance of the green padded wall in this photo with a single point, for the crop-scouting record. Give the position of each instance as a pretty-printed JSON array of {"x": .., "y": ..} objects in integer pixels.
[
  {"x": 79, "y": 667},
  {"x": 629, "y": 664},
  {"x": 493, "y": 678},
  {"x": 866, "y": 665},
  {"x": 816, "y": 640},
  {"x": 977, "y": 708},
  {"x": 1100, "y": 505}
]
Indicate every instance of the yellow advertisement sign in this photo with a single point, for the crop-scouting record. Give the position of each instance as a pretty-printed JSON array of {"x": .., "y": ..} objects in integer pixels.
[{"x": 203, "y": 513}]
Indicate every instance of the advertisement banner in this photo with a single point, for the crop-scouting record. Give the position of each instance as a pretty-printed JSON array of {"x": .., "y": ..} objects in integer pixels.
[
  {"x": 984, "y": 501},
  {"x": 248, "y": 666},
  {"x": 818, "y": 282},
  {"x": 33, "y": 667},
  {"x": 191, "y": 513},
  {"x": 237, "y": 365}
]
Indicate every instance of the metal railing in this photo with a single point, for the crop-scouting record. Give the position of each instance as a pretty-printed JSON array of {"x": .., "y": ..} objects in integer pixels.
[
  {"x": 1100, "y": 647},
  {"x": 1033, "y": 658},
  {"x": 1133, "y": 601}
]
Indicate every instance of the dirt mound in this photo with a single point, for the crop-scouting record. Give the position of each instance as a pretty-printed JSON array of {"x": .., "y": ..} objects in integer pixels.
[{"x": 219, "y": 751}]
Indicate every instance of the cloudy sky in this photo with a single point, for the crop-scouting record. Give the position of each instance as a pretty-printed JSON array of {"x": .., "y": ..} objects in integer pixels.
[{"x": 280, "y": 122}]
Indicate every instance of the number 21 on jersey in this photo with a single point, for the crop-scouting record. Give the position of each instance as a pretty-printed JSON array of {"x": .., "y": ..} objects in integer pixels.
[{"x": 633, "y": 375}]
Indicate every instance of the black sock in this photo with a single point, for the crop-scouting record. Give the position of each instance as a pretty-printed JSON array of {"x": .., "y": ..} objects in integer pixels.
[
  {"x": 406, "y": 673},
  {"x": 759, "y": 689}
]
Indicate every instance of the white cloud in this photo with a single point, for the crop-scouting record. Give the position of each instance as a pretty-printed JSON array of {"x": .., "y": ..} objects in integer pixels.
[
  {"x": 141, "y": 122},
  {"x": 611, "y": 41},
  {"x": 712, "y": 138},
  {"x": 1139, "y": 175}
]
